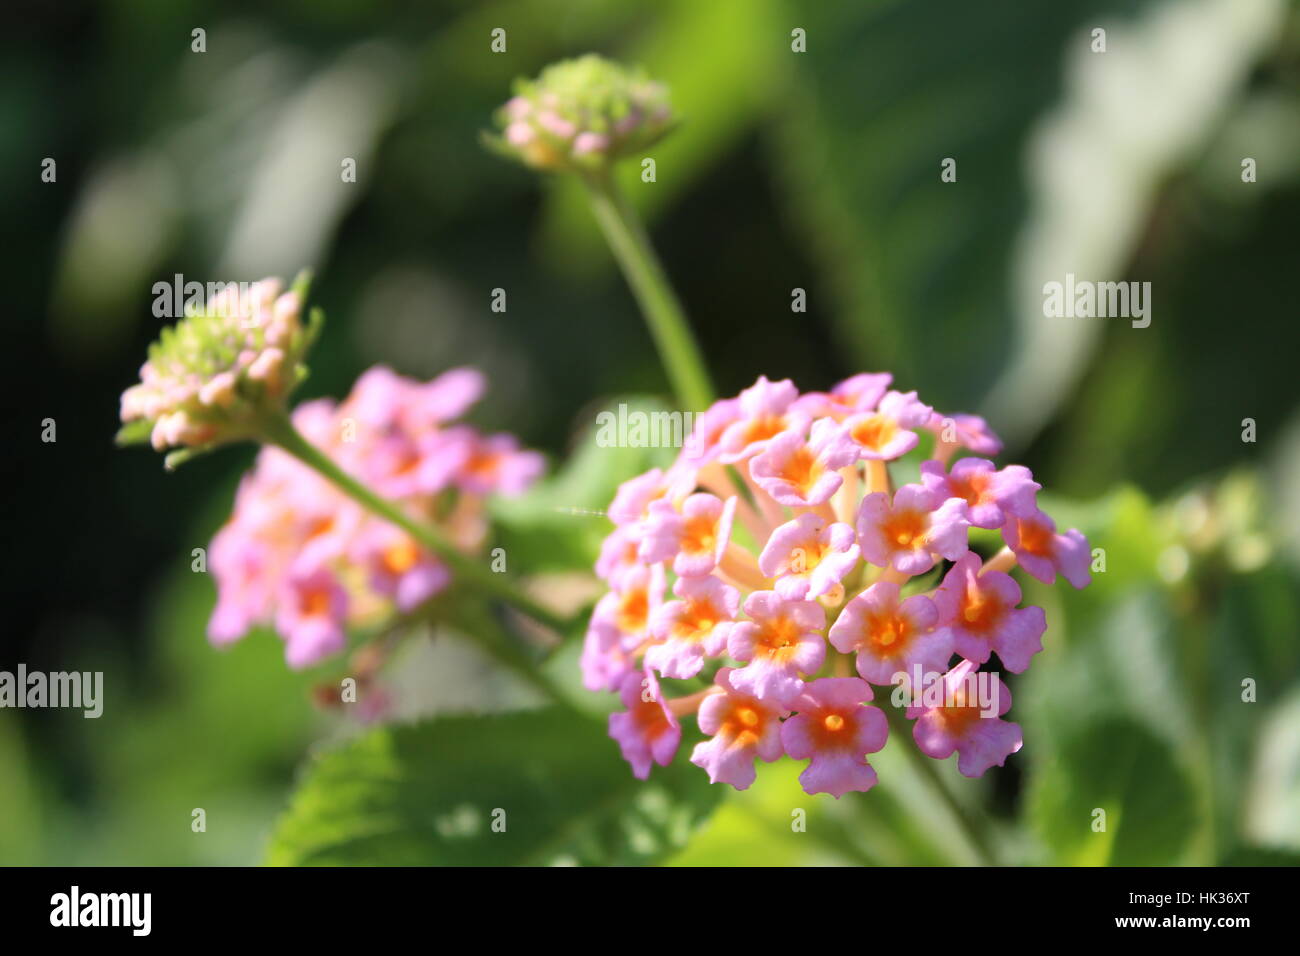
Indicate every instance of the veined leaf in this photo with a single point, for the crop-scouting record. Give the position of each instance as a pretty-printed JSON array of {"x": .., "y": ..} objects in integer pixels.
[{"x": 543, "y": 787}]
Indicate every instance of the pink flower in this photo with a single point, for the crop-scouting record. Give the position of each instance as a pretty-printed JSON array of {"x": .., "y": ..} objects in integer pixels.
[
  {"x": 618, "y": 554},
  {"x": 603, "y": 662},
  {"x": 401, "y": 465},
  {"x": 858, "y": 393},
  {"x": 989, "y": 494},
  {"x": 1043, "y": 553},
  {"x": 742, "y": 728},
  {"x": 588, "y": 142},
  {"x": 310, "y": 616},
  {"x": 693, "y": 628},
  {"x": 325, "y": 525},
  {"x": 703, "y": 444},
  {"x": 891, "y": 637},
  {"x": 242, "y": 566},
  {"x": 799, "y": 473},
  {"x": 496, "y": 465},
  {"x": 383, "y": 402},
  {"x": 808, "y": 557},
  {"x": 632, "y": 501},
  {"x": 782, "y": 640},
  {"x": 398, "y": 568},
  {"x": 965, "y": 431},
  {"x": 627, "y": 609},
  {"x": 964, "y": 722},
  {"x": 378, "y": 399},
  {"x": 887, "y": 433},
  {"x": 911, "y": 532},
  {"x": 765, "y": 412},
  {"x": 647, "y": 732},
  {"x": 781, "y": 534},
  {"x": 450, "y": 395},
  {"x": 212, "y": 377},
  {"x": 981, "y": 611},
  {"x": 835, "y": 730},
  {"x": 694, "y": 539}
]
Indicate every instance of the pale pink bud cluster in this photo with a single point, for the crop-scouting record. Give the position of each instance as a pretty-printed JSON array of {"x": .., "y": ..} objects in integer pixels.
[
  {"x": 582, "y": 114},
  {"x": 777, "y": 557},
  {"x": 300, "y": 556},
  {"x": 209, "y": 378}
]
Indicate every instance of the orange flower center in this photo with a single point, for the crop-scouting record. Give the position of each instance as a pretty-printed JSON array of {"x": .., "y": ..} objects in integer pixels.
[
  {"x": 905, "y": 529},
  {"x": 407, "y": 463},
  {"x": 700, "y": 535},
  {"x": 316, "y": 603},
  {"x": 633, "y": 607},
  {"x": 650, "y": 717},
  {"x": 697, "y": 621},
  {"x": 1034, "y": 537},
  {"x": 778, "y": 639},
  {"x": 981, "y": 610},
  {"x": 761, "y": 429},
  {"x": 401, "y": 557},
  {"x": 961, "y": 713},
  {"x": 321, "y": 527},
  {"x": 874, "y": 432},
  {"x": 831, "y": 731},
  {"x": 805, "y": 558},
  {"x": 744, "y": 724},
  {"x": 889, "y": 633},
  {"x": 483, "y": 465},
  {"x": 802, "y": 470},
  {"x": 974, "y": 489}
]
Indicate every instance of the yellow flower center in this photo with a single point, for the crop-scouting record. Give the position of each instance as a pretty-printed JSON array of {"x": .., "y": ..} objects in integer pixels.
[{"x": 401, "y": 557}]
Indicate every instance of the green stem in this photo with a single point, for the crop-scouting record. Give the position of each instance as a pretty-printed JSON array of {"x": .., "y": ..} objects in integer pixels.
[
  {"x": 973, "y": 824},
  {"x": 476, "y": 621},
  {"x": 645, "y": 274},
  {"x": 279, "y": 431}
]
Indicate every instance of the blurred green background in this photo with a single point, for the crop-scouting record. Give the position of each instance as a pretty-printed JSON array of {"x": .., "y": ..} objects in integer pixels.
[{"x": 816, "y": 170}]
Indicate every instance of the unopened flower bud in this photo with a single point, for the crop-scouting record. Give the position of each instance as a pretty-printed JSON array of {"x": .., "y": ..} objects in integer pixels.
[
  {"x": 214, "y": 376},
  {"x": 582, "y": 115}
]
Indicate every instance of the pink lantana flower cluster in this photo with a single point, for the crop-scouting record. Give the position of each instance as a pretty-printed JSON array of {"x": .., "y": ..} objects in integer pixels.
[
  {"x": 775, "y": 573},
  {"x": 213, "y": 376},
  {"x": 299, "y": 555}
]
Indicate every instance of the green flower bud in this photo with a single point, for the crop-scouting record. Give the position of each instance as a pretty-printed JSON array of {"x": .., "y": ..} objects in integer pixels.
[
  {"x": 216, "y": 374},
  {"x": 582, "y": 115}
]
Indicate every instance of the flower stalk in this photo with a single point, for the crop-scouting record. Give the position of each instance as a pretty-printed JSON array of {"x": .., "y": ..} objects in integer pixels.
[
  {"x": 654, "y": 293},
  {"x": 972, "y": 823},
  {"x": 582, "y": 117},
  {"x": 278, "y": 430}
]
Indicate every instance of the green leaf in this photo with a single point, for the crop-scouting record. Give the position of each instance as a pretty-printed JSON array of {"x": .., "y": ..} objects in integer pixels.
[
  {"x": 1116, "y": 765},
  {"x": 560, "y": 523},
  {"x": 134, "y": 432},
  {"x": 1272, "y": 793},
  {"x": 429, "y": 793},
  {"x": 1261, "y": 856},
  {"x": 883, "y": 98}
]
